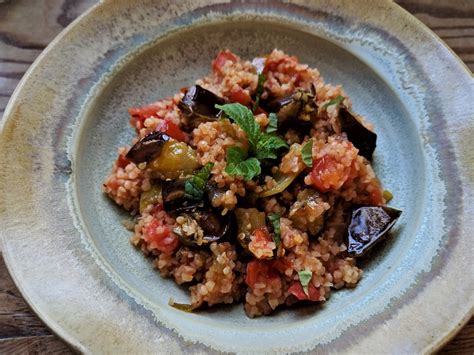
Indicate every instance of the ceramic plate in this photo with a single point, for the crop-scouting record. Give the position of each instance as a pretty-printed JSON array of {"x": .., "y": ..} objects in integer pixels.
[{"x": 70, "y": 256}]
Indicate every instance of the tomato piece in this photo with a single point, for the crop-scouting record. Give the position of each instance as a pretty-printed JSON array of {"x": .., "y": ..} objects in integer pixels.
[
  {"x": 240, "y": 96},
  {"x": 122, "y": 161},
  {"x": 140, "y": 114},
  {"x": 282, "y": 264},
  {"x": 328, "y": 174},
  {"x": 262, "y": 235},
  {"x": 158, "y": 236},
  {"x": 222, "y": 58},
  {"x": 260, "y": 271},
  {"x": 296, "y": 289},
  {"x": 376, "y": 197},
  {"x": 172, "y": 130}
]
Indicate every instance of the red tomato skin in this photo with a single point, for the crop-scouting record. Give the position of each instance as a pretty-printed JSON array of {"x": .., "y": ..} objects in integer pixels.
[
  {"x": 221, "y": 58},
  {"x": 172, "y": 130},
  {"x": 240, "y": 96},
  {"x": 163, "y": 240},
  {"x": 261, "y": 271},
  {"x": 122, "y": 161},
  {"x": 296, "y": 289}
]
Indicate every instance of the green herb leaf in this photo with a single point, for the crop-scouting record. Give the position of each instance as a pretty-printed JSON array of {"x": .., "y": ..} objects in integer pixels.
[
  {"x": 335, "y": 101},
  {"x": 268, "y": 146},
  {"x": 274, "y": 219},
  {"x": 194, "y": 187},
  {"x": 259, "y": 91},
  {"x": 307, "y": 153},
  {"x": 273, "y": 125},
  {"x": 305, "y": 278},
  {"x": 244, "y": 118},
  {"x": 248, "y": 169},
  {"x": 235, "y": 155}
]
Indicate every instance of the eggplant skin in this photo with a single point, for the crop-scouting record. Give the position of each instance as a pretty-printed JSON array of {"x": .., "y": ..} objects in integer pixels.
[
  {"x": 363, "y": 139},
  {"x": 369, "y": 224},
  {"x": 147, "y": 148},
  {"x": 198, "y": 106}
]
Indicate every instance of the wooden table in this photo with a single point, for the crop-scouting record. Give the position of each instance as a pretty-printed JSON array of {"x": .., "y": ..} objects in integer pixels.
[{"x": 26, "y": 28}]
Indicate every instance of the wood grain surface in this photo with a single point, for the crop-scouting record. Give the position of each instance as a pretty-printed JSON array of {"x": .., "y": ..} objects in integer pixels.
[{"x": 26, "y": 28}]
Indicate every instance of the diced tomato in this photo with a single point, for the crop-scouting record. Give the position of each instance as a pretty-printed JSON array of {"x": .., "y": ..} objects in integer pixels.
[
  {"x": 172, "y": 130},
  {"x": 122, "y": 161},
  {"x": 328, "y": 174},
  {"x": 282, "y": 264},
  {"x": 259, "y": 110},
  {"x": 158, "y": 236},
  {"x": 262, "y": 235},
  {"x": 240, "y": 96},
  {"x": 260, "y": 271},
  {"x": 296, "y": 289},
  {"x": 376, "y": 197},
  {"x": 221, "y": 59},
  {"x": 140, "y": 114}
]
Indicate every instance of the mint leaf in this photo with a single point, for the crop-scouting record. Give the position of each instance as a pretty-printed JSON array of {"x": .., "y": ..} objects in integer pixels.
[
  {"x": 273, "y": 125},
  {"x": 336, "y": 101},
  {"x": 248, "y": 169},
  {"x": 268, "y": 146},
  {"x": 194, "y": 187},
  {"x": 305, "y": 278},
  {"x": 307, "y": 153},
  {"x": 235, "y": 155},
  {"x": 244, "y": 118},
  {"x": 274, "y": 219},
  {"x": 261, "y": 81}
]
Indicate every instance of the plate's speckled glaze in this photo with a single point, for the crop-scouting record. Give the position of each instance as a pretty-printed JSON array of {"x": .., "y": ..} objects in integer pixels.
[{"x": 69, "y": 254}]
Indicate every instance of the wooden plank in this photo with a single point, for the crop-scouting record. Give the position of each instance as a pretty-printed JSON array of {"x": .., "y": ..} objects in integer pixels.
[{"x": 34, "y": 345}]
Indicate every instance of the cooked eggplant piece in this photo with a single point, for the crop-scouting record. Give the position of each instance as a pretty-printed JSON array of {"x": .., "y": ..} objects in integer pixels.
[
  {"x": 201, "y": 227},
  {"x": 147, "y": 148},
  {"x": 248, "y": 220},
  {"x": 175, "y": 160},
  {"x": 368, "y": 226},
  {"x": 363, "y": 139},
  {"x": 173, "y": 197},
  {"x": 198, "y": 105},
  {"x": 151, "y": 197},
  {"x": 299, "y": 106},
  {"x": 307, "y": 213}
]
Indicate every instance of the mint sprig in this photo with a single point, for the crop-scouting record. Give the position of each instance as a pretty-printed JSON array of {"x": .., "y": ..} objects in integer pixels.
[
  {"x": 261, "y": 145},
  {"x": 274, "y": 219},
  {"x": 307, "y": 153},
  {"x": 237, "y": 164},
  {"x": 305, "y": 277},
  {"x": 273, "y": 123},
  {"x": 261, "y": 81},
  {"x": 194, "y": 187}
]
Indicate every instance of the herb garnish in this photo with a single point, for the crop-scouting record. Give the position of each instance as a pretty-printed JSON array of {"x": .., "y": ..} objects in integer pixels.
[
  {"x": 261, "y": 145},
  {"x": 259, "y": 91},
  {"x": 194, "y": 187},
  {"x": 307, "y": 153},
  {"x": 273, "y": 124},
  {"x": 237, "y": 164},
  {"x": 274, "y": 219},
  {"x": 336, "y": 101},
  {"x": 305, "y": 278}
]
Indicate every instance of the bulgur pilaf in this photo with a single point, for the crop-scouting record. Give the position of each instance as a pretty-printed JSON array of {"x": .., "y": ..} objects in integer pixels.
[{"x": 253, "y": 185}]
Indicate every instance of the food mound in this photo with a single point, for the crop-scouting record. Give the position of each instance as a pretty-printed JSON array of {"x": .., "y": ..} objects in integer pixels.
[{"x": 253, "y": 185}]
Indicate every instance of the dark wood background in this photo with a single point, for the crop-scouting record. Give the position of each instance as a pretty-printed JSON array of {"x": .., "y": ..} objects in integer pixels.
[{"x": 26, "y": 28}]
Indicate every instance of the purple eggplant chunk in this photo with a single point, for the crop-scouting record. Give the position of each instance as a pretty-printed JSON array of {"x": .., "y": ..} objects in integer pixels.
[
  {"x": 147, "y": 148},
  {"x": 198, "y": 106},
  {"x": 363, "y": 139},
  {"x": 368, "y": 226}
]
